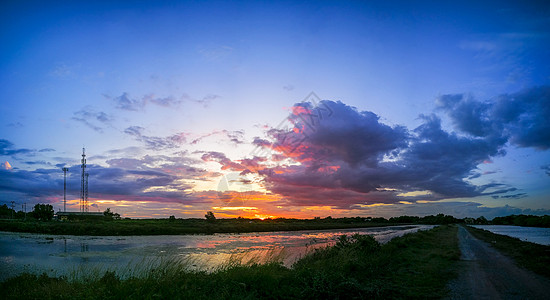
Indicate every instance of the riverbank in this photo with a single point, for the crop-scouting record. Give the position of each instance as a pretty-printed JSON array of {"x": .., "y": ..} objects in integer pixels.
[
  {"x": 413, "y": 266},
  {"x": 180, "y": 226}
]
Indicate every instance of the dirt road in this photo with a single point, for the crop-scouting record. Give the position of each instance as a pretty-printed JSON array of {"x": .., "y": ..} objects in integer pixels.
[{"x": 487, "y": 274}]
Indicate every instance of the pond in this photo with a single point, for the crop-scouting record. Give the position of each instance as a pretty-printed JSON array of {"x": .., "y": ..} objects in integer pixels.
[
  {"x": 69, "y": 255},
  {"x": 531, "y": 234}
]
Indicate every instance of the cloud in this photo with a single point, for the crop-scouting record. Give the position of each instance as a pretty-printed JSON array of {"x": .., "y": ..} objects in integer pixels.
[
  {"x": 124, "y": 102},
  {"x": 236, "y": 136},
  {"x": 16, "y": 125},
  {"x": 157, "y": 143},
  {"x": 546, "y": 169},
  {"x": 215, "y": 53},
  {"x": 128, "y": 103},
  {"x": 169, "y": 101},
  {"x": 334, "y": 154},
  {"x": 520, "y": 118},
  {"x": 204, "y": 101},
  {"x": 6, "y": 166},
  {"x": 513, "y": 196},
  {"x": 63, "y": 70},
  {"x": 6, "y": 148},
  {"x": 225, "y": 162},
  {"x": 150, "y": 178},
  {"x": 456, "y": 209},
  {"x": 93, "y": 119}
]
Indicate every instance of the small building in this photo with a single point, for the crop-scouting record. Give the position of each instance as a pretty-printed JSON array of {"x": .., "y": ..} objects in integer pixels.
[{"x": 76, "y": 215}]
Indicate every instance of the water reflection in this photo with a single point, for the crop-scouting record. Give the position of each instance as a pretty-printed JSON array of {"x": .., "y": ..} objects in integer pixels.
[
  {"x": 530, "y": 234},
  {"x": 206, "y": 252}
]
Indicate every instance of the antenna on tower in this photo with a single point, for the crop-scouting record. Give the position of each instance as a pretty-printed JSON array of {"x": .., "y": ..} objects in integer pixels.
[
  {"x": 83, "y": 185},
  {"x": 86, "y": 193},
  {"x": 65, "y": 189}
]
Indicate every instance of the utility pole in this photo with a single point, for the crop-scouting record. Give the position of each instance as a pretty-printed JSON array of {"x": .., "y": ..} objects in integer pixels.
[
  {"x": 12, "y": 208},
  {"x": 65, "y": 189}
]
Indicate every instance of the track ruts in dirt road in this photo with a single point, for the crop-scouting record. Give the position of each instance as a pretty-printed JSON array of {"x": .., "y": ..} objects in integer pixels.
[{"x": 486, "y": 274}]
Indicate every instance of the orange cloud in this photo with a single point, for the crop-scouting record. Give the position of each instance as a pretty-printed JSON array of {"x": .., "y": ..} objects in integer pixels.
[{"x": 6, "y": 166}]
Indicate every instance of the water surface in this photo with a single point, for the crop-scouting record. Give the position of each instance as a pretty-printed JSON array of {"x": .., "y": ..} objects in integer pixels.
[
  {"x": 531, "y": 234},
  {"x": 67, "y": 254}
]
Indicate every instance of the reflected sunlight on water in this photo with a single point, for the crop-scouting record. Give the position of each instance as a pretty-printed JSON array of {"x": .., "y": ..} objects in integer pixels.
[{"x": 61, "y": 255}]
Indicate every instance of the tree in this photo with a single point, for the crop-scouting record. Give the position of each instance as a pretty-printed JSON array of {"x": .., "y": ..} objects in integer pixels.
[
  {"x": 481, "y": 220},
  {"x": 43, "y": 212},
  {"x": 5, "y": 211},
  {"x": 108, "y": 213},
  {"x": 210, "y": 216}
]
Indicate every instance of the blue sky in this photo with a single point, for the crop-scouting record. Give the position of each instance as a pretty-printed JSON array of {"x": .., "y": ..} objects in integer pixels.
[{"x": 436, "y": 107}]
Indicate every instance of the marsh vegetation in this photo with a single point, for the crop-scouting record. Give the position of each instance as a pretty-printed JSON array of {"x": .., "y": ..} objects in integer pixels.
[{"x": 416, "y": 265}]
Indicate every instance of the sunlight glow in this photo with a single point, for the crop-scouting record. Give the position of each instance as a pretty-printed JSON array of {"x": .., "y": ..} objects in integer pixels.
[
  {"x": 414, "y": 194},
  {"x": 244, "y": 208}
]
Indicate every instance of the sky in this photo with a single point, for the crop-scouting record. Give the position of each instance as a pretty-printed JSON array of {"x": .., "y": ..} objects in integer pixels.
[{"x": 278, "y": 108}]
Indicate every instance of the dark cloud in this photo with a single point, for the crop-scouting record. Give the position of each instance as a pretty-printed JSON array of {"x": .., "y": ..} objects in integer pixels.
[
  {"x": 350, "y": 157},
  {"x": 46, "y": 150},
  {"x": 151, "y": 178},
  {"x": 153, "y": 142},
  {"x": 546, "y": 169},
  {"x": 513, "y": 196},
  {"x": 93, "y": 119},
  {"x": 7, "y": 149},
  {"x": 457, "y": 209},
  {"x": 522, "y": 118},
  {"x": 225, "y": 162},
  {"x": 39, "y": 162}
]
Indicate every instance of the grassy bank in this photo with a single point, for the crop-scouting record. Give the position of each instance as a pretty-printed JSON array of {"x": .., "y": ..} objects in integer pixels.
[
  {"x": 531, "y": 256},
  {"x": 179, "y": 226},
  {"x": 413, "y": 266}
]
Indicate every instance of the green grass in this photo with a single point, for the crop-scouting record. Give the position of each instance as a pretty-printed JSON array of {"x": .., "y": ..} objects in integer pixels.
[
  {"x": 415, "y": 266},
  {"x": 102, "y": 227},
  {"x": 531, "y": 256}
]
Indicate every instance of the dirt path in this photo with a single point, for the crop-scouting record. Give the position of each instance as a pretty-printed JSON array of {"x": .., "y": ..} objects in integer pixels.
[{"x": 487, "y": 274}]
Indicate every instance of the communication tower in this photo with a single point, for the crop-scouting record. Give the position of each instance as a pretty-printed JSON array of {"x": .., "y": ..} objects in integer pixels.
[
  {"x": 86, "y": 193},
  {"x": 65, "y": 189},
  {"x": 83, "y": 185}
]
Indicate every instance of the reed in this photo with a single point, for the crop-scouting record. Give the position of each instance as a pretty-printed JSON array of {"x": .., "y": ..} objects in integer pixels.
[{"x": 417, "y": 265}]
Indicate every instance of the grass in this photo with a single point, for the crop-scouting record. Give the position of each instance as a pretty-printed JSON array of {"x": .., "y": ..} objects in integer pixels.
[
  {"x": 529, "y": 255},
  {"x": 102, "y": 227},
  {"x": 415, "y": 266}
]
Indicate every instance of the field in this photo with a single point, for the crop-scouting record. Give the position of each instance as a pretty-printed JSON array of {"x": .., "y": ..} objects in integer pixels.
[
  {"x": 416, "y": 265},
  {"x": 103, "y": 227}
]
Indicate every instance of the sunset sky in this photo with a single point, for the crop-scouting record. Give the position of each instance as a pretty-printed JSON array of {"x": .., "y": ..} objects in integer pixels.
[{"x": 285, "y": 109}]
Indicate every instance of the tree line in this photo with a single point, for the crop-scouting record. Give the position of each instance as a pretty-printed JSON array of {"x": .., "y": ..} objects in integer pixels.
[{"x": 45, "y": 212}]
